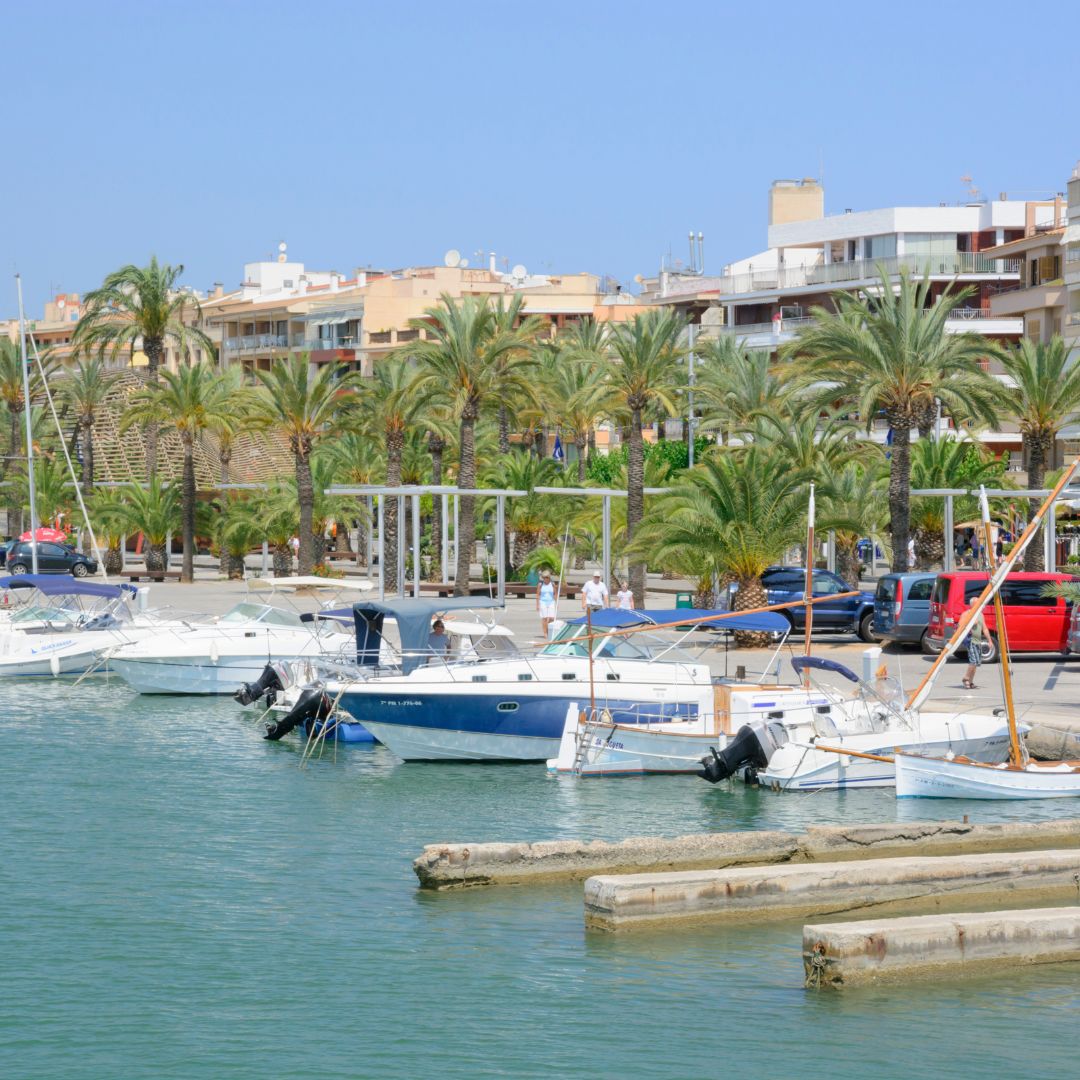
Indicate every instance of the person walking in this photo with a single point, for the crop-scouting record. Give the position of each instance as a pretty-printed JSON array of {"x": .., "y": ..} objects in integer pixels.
[
  {"x": 545, "y": 602},
  {"x": 624, "y": 598},
  {"x": 594, "y": 594},
  {"x": 975, "y": 642}
]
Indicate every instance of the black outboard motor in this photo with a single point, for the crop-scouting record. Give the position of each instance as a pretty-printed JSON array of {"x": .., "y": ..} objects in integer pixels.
[
  {"x": 269, "y": 682},
  {"x": 313, "y": 704},
  {"x": 751, "y": 748}
]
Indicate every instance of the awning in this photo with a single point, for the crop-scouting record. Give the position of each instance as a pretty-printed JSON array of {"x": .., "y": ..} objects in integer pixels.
[{"x": 62, "y": 585}]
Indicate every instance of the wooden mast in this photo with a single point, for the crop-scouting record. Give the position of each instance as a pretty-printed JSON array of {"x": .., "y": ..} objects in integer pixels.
[
  {"x": 1015, "y": 753},
  {"x": 808, "y": 587}
]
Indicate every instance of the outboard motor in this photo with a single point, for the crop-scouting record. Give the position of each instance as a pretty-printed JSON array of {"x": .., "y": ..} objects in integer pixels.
[
  {"x": 269, "y": 682},
  {"x": 752, "y": 747},
  {"x": 313, "y": 704}
]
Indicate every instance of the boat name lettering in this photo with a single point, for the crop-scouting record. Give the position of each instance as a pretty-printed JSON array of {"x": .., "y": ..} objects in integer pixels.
[
  {"x": 597, "y": 741},
  {"x": 398, "y": 701}
]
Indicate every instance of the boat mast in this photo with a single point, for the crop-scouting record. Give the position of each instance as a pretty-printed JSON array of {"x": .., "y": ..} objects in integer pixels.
[
  {"x": 29, "y": 432},
  {"x": 1015, "y": 754},
  {"x": 808, "y": 587}
]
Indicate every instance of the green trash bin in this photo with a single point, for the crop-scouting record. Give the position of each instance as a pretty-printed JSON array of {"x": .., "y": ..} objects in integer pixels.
[{"x": 684, "y": 600}]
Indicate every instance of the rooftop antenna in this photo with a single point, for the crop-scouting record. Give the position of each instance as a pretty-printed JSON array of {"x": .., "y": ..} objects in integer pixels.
[{"x": 973, "y": 191}]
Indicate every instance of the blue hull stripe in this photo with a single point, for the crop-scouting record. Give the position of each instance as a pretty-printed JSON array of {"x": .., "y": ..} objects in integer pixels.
[{"x": 534, "y": 717}]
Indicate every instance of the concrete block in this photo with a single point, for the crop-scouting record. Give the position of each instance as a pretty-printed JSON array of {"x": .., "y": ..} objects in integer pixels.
[
  {"x": 795, "y": 890},
  {"x": 848, "y": 954}
]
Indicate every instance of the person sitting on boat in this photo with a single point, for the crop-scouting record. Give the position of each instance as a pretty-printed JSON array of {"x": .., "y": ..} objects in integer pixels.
[
  {"x": 975, "y": 641},
  {"x": 545, "y": 602},
  {"x": 438, "y": 640}
]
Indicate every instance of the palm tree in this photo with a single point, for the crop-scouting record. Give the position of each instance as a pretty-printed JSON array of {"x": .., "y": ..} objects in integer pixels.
[
  {"x": 1044, "y": 398},
  {"x": 306, "y": 408},
  {"x": 53, "y": 494},
  {"x": 230, "y": 427},
  {"x": 474, "y": 363},
  {"x": 530, "y": 518},
  {"x": 141, "y": 304},
  {"x": 156, "y": 512},
  {"x": 946, "y": 463},
  {"x": 852, "y": 501},
  {"x": 238, "y": 531},
  {"x": 510, "y": 319},
  {"x": 387, "y": 409},
  {"x": 356, "y": 458},
  {"x": 642, "y": 374},
  {"x": 734, "y": 385},
  {"x": 108, "y": 510},
  {"x": 816, "y": 441},
  {"x": 86, "y": 390},
  {"x": 888, "y": 351},
  {"x": 733, "y": 514},
  {"x": 193, "y": 400}
]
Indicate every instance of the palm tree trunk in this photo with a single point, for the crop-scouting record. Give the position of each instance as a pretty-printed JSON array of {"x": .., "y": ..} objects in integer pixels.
[
  {"x": 88, "y": 455},
  {"x": 1037, "y": 445},
  {"x": 395, "y": 442},
  {"x": 14, "y": 509},
  {"x": 305, "y": 493},
  {"x": 925, "y": 419},
  {"x": 635, "y": 502},
  {"x": 435, "y": 448},
  {"x": 153, "y": 347},
  {"x": 282, "y": 560},
  {"x": 750, "y": 594},
  {"x": 580, "y": 443},
  {"x": 504, "y": 430},
  {"x": 847, "y": 561},
  {"x": 187, "y": 569},
  {"x": 465, "y": 540},
  {"x": 225, "y": 462},
  {"x": 900, "y": 490}
]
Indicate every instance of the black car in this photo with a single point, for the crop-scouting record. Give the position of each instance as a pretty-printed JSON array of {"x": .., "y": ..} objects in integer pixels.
[
  {"x": 52, "y": 559},
  {"x": 5, "y": 547}
]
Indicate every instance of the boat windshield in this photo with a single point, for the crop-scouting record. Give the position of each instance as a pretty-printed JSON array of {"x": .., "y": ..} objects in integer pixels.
[
  {"x": 261, "y": 613},
  {"x": 37, "y": 614},
  {"x": 570, "y": 642}
]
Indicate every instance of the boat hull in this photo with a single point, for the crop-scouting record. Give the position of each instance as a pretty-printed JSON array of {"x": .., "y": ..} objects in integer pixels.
[
  {"x": 927, "y": 778},
  {"x": 802, "y": 768},
  {"x": 192, "y": 675},
  {"x": 632, "y": 750}
]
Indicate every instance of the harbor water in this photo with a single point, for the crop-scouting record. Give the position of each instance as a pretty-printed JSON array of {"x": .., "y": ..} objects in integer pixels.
[{"x": 181, "y": 899}]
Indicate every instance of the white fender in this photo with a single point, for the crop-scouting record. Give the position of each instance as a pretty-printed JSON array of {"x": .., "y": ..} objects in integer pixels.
[
  {"x": 54, "y": 665},
  {"x": 215, "y": 654}
]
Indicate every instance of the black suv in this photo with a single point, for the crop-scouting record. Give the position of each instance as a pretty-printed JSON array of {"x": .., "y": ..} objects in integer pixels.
[{"x": 52, "y": 559}]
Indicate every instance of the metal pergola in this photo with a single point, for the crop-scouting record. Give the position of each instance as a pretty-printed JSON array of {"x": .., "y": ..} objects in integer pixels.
[
  {"x": 1050, "y": 525},
  {"x": 414, "y": 492}
]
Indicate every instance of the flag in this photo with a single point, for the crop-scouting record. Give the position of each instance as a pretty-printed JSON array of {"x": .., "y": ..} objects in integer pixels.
[{"x": 557, "y": 450}]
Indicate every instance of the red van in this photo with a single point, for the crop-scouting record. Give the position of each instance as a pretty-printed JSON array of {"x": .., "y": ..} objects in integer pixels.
[{"x": 1035, "y": 623}]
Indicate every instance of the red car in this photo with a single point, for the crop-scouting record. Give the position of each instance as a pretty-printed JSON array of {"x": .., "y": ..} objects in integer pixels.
[{"x": 1035, "y": 623}]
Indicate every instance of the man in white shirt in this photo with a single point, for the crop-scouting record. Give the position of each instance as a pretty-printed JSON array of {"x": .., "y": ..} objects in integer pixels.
[{"x": 594, "y": 594}]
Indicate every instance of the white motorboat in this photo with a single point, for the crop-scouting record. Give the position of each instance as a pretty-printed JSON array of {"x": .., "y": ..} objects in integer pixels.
[
  {"x": 958, "y": 778},
  {"x": 219, "y": 656},
  {"x": 514, "y": 708}
]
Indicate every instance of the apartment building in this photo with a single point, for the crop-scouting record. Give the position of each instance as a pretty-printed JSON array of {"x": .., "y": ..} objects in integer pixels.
[
  {"x": 1071, "y": 266},
  {"x": 766, "y": 298}
]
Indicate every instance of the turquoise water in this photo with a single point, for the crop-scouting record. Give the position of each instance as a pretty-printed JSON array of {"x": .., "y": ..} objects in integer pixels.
[{"x": 179, "y": 899}]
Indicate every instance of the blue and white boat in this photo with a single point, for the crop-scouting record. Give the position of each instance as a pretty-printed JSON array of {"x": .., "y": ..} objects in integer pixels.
[{"x": 513, "y": 708}]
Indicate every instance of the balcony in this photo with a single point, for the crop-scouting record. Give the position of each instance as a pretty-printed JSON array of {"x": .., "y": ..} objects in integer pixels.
[
  {"x": 847, "y": 274},
  {"x": 256, "y": 342}
]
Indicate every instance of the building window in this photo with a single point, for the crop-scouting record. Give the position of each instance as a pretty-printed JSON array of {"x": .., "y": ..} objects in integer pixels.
[
  {"x": 880, "y": 247},
  {"x": 933, "y": 251}
]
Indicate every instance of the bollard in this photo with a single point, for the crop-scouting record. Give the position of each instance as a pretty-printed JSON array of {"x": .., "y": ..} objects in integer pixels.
[{"x": 870, "y": 658}]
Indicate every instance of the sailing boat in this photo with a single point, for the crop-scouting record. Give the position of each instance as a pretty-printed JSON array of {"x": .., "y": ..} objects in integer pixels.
[{"x": 1019, "y": 777}]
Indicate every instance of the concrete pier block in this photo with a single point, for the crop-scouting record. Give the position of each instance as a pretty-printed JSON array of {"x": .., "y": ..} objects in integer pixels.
[
  {"x": 794, "y": 890},
  {"x": 450, "y": 866},
  {"x": 847, "y": 954}
]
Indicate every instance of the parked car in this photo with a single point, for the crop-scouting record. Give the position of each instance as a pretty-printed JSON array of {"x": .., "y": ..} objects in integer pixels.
[
  {"x": 853, "y": 614},
  {"x": 52, "y": 559},
  {"x": 5, "y": 547},
  {"x": 902, "y": 607},
  {"x": 1035, "y": 623}
]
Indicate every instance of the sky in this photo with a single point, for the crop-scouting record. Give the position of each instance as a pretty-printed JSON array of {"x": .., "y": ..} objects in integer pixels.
[{"x": 563, "y": 136}]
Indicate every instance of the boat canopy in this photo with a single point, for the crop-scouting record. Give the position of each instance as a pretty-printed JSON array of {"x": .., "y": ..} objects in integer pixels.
[
  {"x": 62, "y": 585},
  {"x": 801, "y": 662},
  {"x": 615, "y": 619},
  {"x": 413, "y": 619}
]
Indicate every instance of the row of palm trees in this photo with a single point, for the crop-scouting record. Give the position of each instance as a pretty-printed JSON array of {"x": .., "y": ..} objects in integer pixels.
[{"x": 474, "y": 397}]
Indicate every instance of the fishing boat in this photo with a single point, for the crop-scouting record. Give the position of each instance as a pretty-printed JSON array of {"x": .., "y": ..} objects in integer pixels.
[
  {"x": 957, "y": 776},
  {"x": 514, "y": 708},
  {"x": 218, "y": 656}
]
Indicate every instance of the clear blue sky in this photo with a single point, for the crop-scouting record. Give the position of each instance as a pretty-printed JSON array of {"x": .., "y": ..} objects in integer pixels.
[{"x": 565, "y": 136}]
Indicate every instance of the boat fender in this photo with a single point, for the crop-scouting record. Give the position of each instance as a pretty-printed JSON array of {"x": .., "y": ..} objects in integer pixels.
[
  {"x": 215, "y": 652},
  {"x": 54, "y": 665},
  {"x": 753, "y": 745},
  {"x": 312, "y": 704},
  {"x": 267, "y": 683}
]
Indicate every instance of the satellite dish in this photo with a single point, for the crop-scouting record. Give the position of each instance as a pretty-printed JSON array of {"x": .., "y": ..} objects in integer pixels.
[
  {"x": 61, "y": 304},
  {"x": 463, "y": 263},
  {"x": 519, "y": 271},
  {"x": 639, "y": 279},
  {"x": 452, "y": 258},
  {"x": 282, "y": 246}
]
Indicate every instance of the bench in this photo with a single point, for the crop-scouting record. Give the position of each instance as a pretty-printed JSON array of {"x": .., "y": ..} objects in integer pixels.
[
  {"x": 444, "y": 589},
  {"x": 151, "y": 575}
]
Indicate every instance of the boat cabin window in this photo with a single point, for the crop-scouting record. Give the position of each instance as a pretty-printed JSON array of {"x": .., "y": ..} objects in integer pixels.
[
  {"x": 261, "y": 613},
  {"x": 567, "y": 643}
]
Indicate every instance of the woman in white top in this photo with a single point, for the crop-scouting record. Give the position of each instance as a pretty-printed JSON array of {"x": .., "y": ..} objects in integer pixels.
[
  {"x": 545, "y": 601},
  {"x": 624, "y": 597}
]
